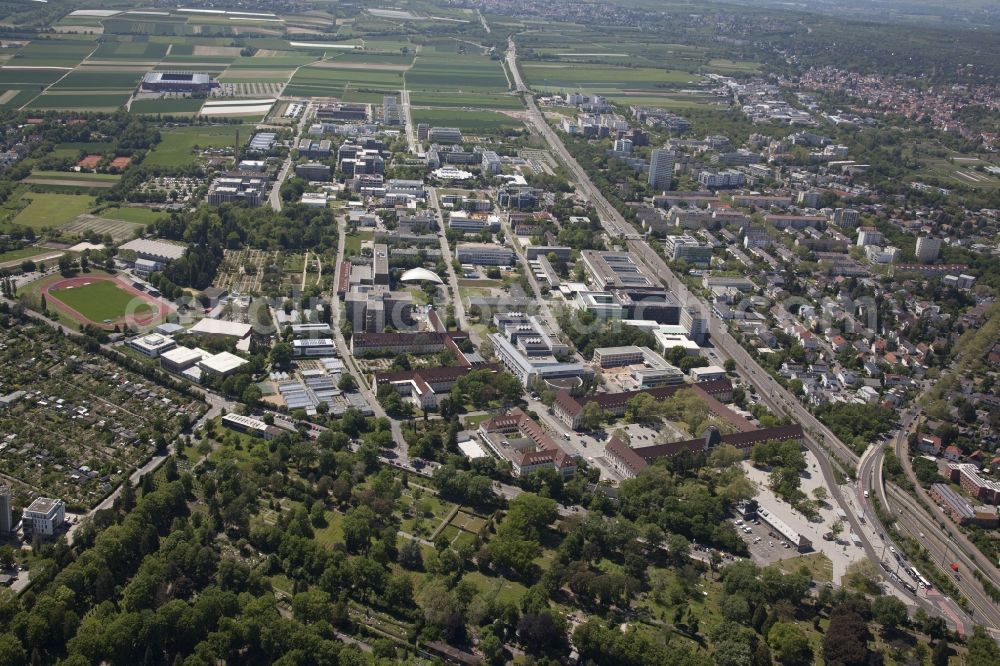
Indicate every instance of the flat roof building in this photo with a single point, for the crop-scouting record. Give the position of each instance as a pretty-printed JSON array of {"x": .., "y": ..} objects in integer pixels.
[
  {"x": 232, "y": 329},
  {"x": 617, "y": 270},
  {"x": 484, "y": 254},
  {"x": 180, "y": 359},
  {"x": 151, "y": 345},
  {"x": 222, "y": 364},
  {"x": 44, "y": 516}
]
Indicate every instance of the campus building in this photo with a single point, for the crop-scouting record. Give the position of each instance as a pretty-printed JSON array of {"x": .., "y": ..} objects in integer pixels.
[
  {"x": 425, "y": 386},
  {"x": 484, "y": 254},
  {"x": 151, "y": 345},
  {"x": 569, "y": 409},
  {"x": 517, "y": 439}
]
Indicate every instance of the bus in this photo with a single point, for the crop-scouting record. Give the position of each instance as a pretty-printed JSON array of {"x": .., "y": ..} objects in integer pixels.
[{"x": 923, "y": 582}]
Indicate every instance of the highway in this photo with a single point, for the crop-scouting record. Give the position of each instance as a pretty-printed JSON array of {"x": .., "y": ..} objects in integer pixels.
[{"x": 819, "y": 439}]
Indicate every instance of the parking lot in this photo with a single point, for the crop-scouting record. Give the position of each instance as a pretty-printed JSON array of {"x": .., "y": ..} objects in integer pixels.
[{"x": 841, "y": 553}]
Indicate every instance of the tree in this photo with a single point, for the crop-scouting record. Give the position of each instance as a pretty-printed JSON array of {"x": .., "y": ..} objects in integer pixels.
[
  {"x": 281, "y": 355},
  {"x": 889, "y": 611},
  {"x": 729, "y": 365},
  {"x": 789, "y": 644},
  {"x": 939, "y": 657},
  {"x": 11, "y": 651},
  {"x": 724, "y": 456},
  {"x": 347, "y": 383},
  {"x": 862, "y": 575},
  {"x": 983, "y": 650},
  {"x": 410, "y": 555},
  {"x": 592, "y": 416},
  {"x": 846, "y": 639}
]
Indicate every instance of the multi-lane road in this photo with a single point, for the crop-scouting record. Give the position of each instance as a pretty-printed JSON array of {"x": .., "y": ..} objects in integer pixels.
[{"x": 819, "y": 439}]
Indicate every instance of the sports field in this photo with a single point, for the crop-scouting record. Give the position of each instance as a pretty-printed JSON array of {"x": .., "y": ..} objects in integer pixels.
[
  {"x": 101, "y": 300},
  {"x": 47, "y": 210}
]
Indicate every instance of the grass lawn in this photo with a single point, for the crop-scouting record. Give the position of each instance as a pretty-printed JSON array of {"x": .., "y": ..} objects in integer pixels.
[
  {"x": 819, "y": 565},
  {"x": 496, "y": 588},
  {"x": 352, "y": 242},
  {"x": 23, "y": 253},
  {"x": 52, "y": 210},
  {"x": 78, "y": 175},
  {"x": 177, "y": 145},
  {"x": 333, "y": 533},
  {"x": 99, "y": 301}
]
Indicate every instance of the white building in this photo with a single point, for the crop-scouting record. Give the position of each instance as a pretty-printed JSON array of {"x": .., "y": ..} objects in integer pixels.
[
  {"x": 151, "y": 345},
  {"x": 661, "y": 169},
  {"x": 44, "y": 516},
  {"x": 707, "y": 373},
  {"x": 870, "y": 237}
]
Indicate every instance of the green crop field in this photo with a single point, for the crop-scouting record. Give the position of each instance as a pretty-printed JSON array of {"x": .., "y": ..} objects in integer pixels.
[
  {"x": 51, "y": 53},
  {"x": 176, "y": 145},
  {"x": 47, "y": 210},
  {"x": 166, "y": 106},
  {"x": 22, "y": 97},
  {"x": 99, "y": 301},
  {"x": 455, "y": 99},
  {"x": 36, "y": 78},
  {"x": 602, "y": 78},
  {"x": 90, "y": 80},
  {"x": 82, "y": 101},
  {"x": 129, "y": 51},
  {"x": 456, "y": 72},
  {"x": 330, "y": 82},
  {"x": 466, "y": 120}
]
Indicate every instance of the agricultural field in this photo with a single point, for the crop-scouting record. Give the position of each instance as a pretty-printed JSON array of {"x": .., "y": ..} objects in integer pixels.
[
  {"x": 671, "y": 100},
  {"x": 52, "y": 446},
  {"x": 47, "y": 210},
  {"x": 22, "y": 254},
  {"x": 55, "y": 53},
  {"x": 467, "y": 120},
  {"x": 463, "y": 99},
  {"x": 166, "y": 106},
  {"x": 602, "y": 78},
  {"x": 133, "y": 214},
  {"x": 80, "y": 101},
  {"x": 447, "y": 72},
  {"x": 86, "y": 224},
  {"x": 90, "y": 80},
  {"x": 321, "y": 81},
  {"x": 130, "y": 52},
  {"x": 177, "y": 145}
]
